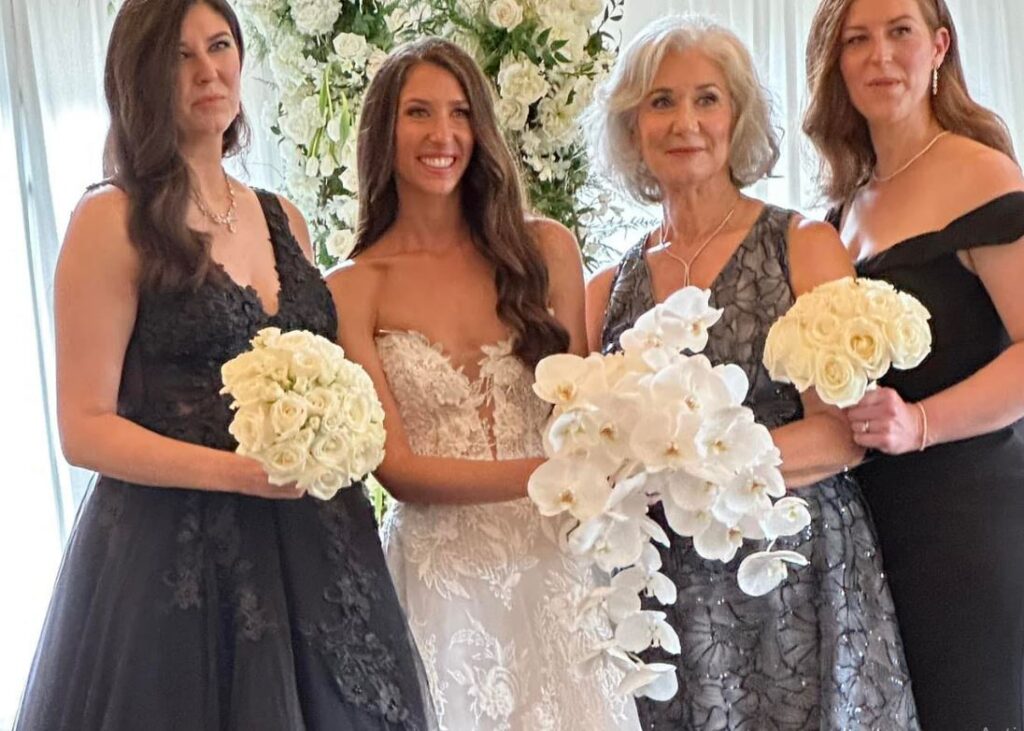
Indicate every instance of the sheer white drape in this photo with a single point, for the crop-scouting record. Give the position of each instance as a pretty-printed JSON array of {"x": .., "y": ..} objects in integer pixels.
[{"x": 52, "y": 124}]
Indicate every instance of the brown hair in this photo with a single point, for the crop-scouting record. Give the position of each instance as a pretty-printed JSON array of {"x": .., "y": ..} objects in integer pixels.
[
  {"x": 141, "y": 155},
  {"x": 491, "y": 193},
  {"x": 838, "y": 130}
]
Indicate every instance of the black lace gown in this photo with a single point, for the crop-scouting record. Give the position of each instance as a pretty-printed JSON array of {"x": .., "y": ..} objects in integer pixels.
[
  {"x": 951, "y": 518},
  {"x": 822, "y": 651},
  {"x": 187, "y": 610}
]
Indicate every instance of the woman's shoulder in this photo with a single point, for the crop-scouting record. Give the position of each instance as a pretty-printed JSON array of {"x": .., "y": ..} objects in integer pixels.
[
  {"x": 978, "y": 173},
  {"x": 556, "y": 242}
]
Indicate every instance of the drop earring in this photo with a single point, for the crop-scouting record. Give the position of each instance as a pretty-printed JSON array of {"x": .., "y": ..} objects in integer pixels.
[{"x": 935, "y": 81}]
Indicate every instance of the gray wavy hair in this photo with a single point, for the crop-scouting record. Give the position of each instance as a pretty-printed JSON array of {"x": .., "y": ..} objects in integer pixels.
[{"x": 754, "y": 148}]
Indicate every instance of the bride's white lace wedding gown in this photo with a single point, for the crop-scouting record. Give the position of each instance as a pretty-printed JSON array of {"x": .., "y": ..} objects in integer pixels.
[{"x": 490, "y": 596}]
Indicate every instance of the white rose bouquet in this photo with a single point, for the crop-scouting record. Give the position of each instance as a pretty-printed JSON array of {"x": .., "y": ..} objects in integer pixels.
[
  {"x": 844, "y": 335},
  {"x": 647, "y": 425},
  {"x": 305, "y": 412}
]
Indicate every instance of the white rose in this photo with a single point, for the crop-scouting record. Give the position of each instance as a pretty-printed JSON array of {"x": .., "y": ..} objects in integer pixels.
[
  {"x": 301, "y": 123},
  {"x": 321, "y": 400},
  {"x": 315, "y": 17},
  {"x": 357, "y": 409},
  {"x": 332, "y": 451},
  {"x": 910, "y": 340},
  {"x": 521, "y": 80},
  {"x": 373, "y": 64},
  {"x": 250, "y": 429},
  {"x": 865, "y": 344},
  {"x": 307, "y": 364},
  {"x": 340, "y": 243},
  {"x": 837, "y": 380},
  {"x": 823, "y": 329},
  {"x": 505, "y": 14},
  {"x": 324, "y": 484},
  {"x": 285, "y": 462},
  {"x": 351, "y": 46},
  {"x": 511, "y": 114},
  {"x": 288, "y": 416}
]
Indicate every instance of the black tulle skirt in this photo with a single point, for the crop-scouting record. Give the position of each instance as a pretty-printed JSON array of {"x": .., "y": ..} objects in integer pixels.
[{"x": 189, "y": 610}]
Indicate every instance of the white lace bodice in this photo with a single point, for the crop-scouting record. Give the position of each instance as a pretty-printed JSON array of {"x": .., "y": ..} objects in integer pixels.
[
  {"x": 491, "y": 597},
  {"x": 448, "y": 414}
]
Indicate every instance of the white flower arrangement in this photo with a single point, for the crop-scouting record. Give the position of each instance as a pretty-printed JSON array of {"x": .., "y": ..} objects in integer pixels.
[
  {"x": 322, "y": 55},
  {"x": 305, "y": 412},
  {"x": 544, "y": 58},
  {"x": 651, "y": 424},
  {"x": 844, "y": 335}
]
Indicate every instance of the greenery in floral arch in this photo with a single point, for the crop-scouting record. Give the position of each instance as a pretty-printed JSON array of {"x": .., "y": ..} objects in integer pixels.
[{"x": 544, "y": 58}]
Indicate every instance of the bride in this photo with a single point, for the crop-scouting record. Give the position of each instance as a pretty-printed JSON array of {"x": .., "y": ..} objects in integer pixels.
[{"x": 452, "y": 298}]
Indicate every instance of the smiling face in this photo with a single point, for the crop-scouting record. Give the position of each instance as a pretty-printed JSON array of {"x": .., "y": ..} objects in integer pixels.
[
  {"x": 886, "y": 58},
  {"x": 209, "y": 74},
  {"x": 684, "y": 123},
  {"x": 433, "y": 131}
]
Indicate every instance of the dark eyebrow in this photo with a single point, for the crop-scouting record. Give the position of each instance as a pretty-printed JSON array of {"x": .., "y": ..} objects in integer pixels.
[
  {"x": 889, "y": 22},
  {"x": 427, "y": 102},
  {"x": 211, "y": 39}
]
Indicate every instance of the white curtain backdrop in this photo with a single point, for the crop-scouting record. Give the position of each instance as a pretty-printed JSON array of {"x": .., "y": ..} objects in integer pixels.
[
  {"x": 52, "y": 123},
  {"x": 776, "y": 31}
]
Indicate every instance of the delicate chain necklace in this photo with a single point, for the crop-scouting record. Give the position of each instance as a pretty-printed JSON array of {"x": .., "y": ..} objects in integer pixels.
[
  {"x": 700, "y": 249},
  {"x": 230, "y": 218},
  {"x": 883, "y": 178}
]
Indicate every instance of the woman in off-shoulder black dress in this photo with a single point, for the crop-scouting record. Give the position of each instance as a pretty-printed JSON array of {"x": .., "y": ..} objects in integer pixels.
[
  {"x": 193, "y": 594},
  {"x": 929, "y": 198}
]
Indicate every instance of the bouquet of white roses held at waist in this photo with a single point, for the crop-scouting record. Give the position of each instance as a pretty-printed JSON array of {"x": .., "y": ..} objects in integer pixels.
[
  {"x": 305, "y": 412},
  {"x": 844, "y": 335},
  {"x": 652, "y": 425}
]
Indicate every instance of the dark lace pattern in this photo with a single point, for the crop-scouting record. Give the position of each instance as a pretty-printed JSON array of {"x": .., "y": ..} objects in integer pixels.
[
  {"x": 281, "y": 614},
  {"x": 823, "y": 650}
]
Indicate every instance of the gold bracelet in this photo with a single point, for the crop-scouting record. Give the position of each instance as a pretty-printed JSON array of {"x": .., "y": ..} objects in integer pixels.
[{"x": 924, "y": 426}]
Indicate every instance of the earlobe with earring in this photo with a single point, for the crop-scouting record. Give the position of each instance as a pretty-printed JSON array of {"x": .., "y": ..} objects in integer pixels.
[{"x": 935, "y": 81}]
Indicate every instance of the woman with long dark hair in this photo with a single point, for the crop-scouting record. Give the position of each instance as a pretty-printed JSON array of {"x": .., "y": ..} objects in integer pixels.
[
  {"x": 193, "y": 593},
  {"x": 928, "y": 196},
  {"x": 452, "y": 298}
]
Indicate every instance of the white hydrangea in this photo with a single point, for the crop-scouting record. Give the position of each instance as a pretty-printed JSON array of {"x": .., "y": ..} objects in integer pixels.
[
  {"x": 315, "y": 17},
  {"x": 522, "y": 80}
]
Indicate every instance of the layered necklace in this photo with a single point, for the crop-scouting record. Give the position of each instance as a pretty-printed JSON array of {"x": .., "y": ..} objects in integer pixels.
[
  {"x": 666, "y": 246},
  {"x": 884, "y": 178},
  {"x": 230, "y": 217}
]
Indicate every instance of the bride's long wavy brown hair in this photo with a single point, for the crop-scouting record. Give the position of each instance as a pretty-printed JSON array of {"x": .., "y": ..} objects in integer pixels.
[
  {"x": 838, "y": 130},
  {"x": 491, "y": 193},
  {"x": 142, "y": 156}
]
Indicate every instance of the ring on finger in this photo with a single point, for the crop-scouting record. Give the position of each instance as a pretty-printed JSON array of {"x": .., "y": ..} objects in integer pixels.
[{"x": 865, "y": 427}]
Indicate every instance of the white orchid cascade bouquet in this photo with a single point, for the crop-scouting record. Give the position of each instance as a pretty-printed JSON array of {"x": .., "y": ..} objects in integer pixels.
[
  {"x": 652, "y": 424},
  {"x": 322, "y": 55},
  {"x": 305, "y": 412},
  {"x": 844, "y": 335}
]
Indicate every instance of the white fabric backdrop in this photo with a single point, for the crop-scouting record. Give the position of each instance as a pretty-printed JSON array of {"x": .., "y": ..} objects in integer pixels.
[{"x": 52, "y": 122}]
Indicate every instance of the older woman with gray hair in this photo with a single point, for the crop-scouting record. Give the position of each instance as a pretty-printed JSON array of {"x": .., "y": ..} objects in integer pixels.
[{"x": 684, "y": 122}]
